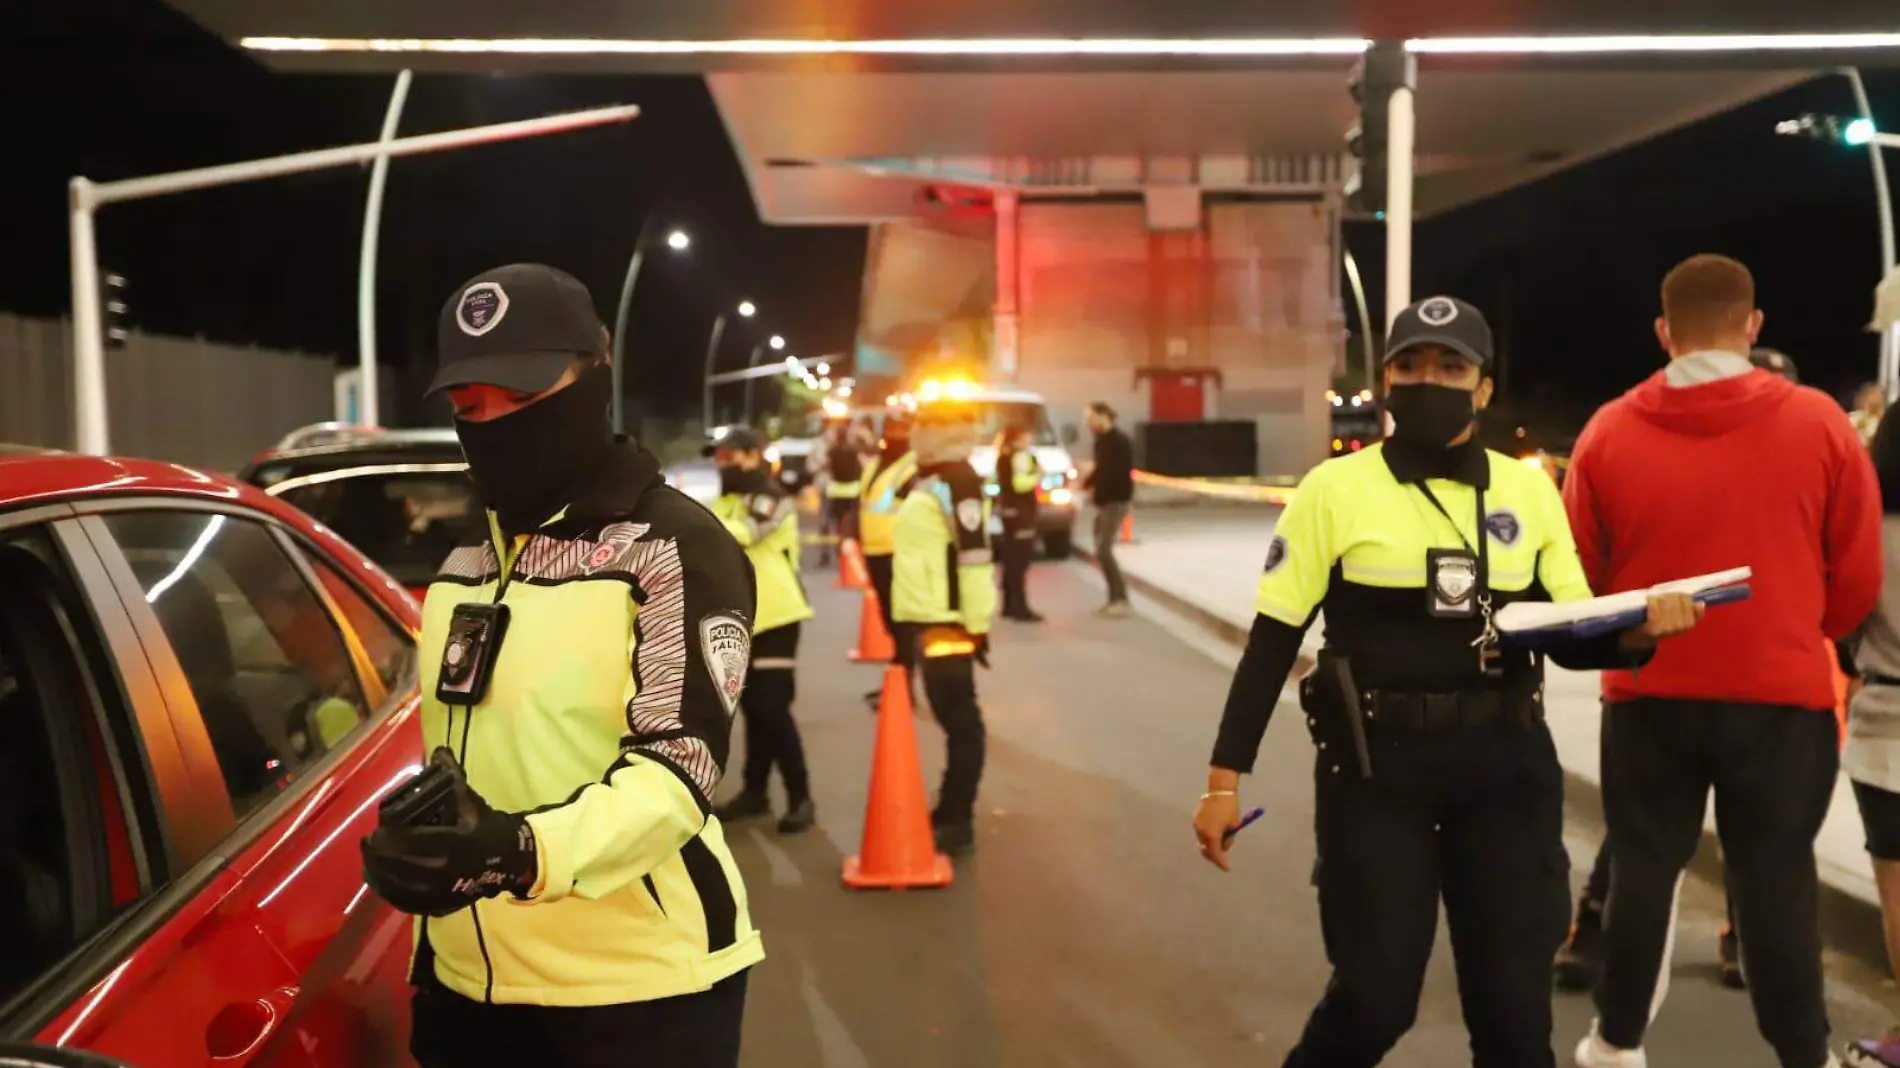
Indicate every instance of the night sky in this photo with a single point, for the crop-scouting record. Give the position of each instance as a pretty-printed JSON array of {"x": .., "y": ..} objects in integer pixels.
[{"x": 1568, "y": 268}]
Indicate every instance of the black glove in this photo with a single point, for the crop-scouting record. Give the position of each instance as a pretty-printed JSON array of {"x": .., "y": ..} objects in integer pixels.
[
  {"x": 436, "y": 871},
  {"x": 982, "y": 653}
]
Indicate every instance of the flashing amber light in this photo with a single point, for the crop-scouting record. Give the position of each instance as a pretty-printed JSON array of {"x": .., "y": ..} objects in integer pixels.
[{"x": 1338, "y": 444}]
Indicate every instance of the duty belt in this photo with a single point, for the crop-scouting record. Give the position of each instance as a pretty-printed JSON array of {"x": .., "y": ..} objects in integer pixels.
[{"x": 1435, "y": 713}]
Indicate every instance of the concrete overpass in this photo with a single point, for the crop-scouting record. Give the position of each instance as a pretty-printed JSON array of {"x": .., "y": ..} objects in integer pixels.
[{"x": 1125, "y": 200}]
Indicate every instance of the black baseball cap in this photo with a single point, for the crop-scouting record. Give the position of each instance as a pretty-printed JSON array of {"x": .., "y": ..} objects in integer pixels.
[
  {"x": 518, "y": 327},
  {"x": 736, "y": 439},
  {"x": 1775, "y": 360},
  {"x": 1445, "y": 321}
]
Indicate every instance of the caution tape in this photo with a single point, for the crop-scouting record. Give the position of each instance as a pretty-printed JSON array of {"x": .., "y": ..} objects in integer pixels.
[{"x": 1229, "y": 489}]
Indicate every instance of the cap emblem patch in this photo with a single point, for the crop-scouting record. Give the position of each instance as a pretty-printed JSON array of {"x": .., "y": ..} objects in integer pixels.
[
  {"x": 1437, "y": 311},
  {"x": 482, "y": 307}
]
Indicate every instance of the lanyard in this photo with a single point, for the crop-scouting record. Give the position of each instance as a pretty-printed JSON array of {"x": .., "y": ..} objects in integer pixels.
[
  {"x": 1484, "y": 573},
  {"x": 1487, "y": 641}
]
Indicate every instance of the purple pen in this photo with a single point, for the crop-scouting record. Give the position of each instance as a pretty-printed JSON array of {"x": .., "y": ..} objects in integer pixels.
[{"x": 1242, "y": 825}]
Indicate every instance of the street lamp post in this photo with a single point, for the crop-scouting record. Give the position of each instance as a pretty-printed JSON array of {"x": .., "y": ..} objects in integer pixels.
[
  {"x": 1864, "y": 131},
  {"x": 777, "y": 344},
  {"x": 678, "y": 241},
  {"x": 746, "y": 310}
]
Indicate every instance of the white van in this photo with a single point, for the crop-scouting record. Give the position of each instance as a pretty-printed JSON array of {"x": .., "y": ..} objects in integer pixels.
[{"x": 1001, "y": 406}]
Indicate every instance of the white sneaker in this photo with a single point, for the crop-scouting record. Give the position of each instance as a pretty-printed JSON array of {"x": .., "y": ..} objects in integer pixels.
[{"x": 1593, "y": 1052}]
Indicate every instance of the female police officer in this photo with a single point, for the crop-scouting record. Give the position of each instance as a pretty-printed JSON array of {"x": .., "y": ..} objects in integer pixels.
[
  {"x": 1435, "y": 772},
  {"x": 578, "y": 906}
]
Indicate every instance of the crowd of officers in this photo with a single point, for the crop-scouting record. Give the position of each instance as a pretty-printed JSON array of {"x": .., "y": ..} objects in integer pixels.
[{"x": 576, "y": 901}]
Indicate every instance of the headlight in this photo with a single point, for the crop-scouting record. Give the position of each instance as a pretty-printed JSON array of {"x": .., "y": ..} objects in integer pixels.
[
  {"x": 771, "y": 454},
  {"x": 1061, "y": 497}
]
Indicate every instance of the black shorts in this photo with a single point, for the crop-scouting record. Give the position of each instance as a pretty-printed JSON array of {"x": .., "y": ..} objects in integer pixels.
[{"x": 1880, "y": 812}]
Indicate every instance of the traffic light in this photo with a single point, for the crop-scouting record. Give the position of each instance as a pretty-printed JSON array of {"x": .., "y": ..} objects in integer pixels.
[
  {"x": 112, "y": 301},
  {"x": 1382, "y": 70},
  {"x": 1831, "y": 128}
]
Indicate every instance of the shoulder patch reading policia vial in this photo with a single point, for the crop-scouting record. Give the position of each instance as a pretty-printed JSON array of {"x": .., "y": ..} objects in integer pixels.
[
  {"x": 483, "y": 305},
  {"x": 726, "y": 643},
  {"x": 1504, "y": 526},
  {"x": 970, "y": 513},
  {"x": 1276, "y": 553}
]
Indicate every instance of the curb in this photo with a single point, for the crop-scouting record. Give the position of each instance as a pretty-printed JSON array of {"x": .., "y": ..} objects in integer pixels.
[{"x": 1850, "y": 926}]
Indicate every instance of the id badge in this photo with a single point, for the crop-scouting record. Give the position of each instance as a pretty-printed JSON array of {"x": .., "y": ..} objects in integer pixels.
[
  {"x": 469, "y": 655},
  {"x": 1451, "y": 584}
]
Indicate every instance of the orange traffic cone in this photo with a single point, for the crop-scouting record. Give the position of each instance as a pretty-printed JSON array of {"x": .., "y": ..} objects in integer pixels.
[
  {"x": 874, "y": 640},
  {"x": 1128, "y": 528},
  {"x": 898, "y": 851},
  {"x": 851, "y": 571}
]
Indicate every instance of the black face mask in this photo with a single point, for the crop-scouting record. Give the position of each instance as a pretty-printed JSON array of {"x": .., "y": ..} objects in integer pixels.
[
  {"x": 1430, "y": 416},
  {"x": 525, "y": 463},
  {"x": 735, "y": 479}
]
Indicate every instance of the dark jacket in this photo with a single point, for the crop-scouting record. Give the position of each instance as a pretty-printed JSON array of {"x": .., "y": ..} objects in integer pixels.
[{"x": 1113, "y": 480}]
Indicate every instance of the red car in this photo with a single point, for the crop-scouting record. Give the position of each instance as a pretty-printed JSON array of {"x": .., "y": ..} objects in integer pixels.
[{"x": 203, "y": 695}]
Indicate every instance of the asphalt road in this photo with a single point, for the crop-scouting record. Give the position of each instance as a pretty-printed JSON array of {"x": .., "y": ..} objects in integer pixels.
[{"x": 1086, "y": 930}]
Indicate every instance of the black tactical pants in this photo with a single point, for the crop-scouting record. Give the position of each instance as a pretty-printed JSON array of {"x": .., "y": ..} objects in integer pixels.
[{"x": 1474, "y": 817}]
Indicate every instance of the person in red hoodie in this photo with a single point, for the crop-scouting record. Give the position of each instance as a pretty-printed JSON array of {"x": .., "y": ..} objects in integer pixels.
[{"x": 1712, "y": 464}]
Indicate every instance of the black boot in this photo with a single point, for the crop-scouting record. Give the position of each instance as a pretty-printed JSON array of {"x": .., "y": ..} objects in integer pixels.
[
  {"x": 745, "y": 805},
  {"x": 954, "y": 838},
  {"x": 1730, "y": 950},
  {"x": 1582, "y": 953},
  {"x": 799, "y": 817}
]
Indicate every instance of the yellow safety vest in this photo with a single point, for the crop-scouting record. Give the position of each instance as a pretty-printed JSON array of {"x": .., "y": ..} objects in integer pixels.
[
  {"x": 766, "y": 524},
  {"x": 942, "y": 571},
  {"x": 883, "y": 496}
]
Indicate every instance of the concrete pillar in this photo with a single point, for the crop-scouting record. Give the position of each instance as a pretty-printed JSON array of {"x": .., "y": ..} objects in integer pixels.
[{"x": 1003, "y": 355}]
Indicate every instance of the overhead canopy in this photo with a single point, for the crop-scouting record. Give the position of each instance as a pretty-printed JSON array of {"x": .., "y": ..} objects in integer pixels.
[
  {"x": 843, "y": 111},
  {"x": 706, "y": 20}
]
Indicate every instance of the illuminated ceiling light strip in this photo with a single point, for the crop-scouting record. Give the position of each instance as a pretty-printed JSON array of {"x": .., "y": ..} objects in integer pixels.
[
  {"x": 1209, "y": 47},
  {"x": 1633, "y": 43},
  {"x": 1057, "y": 46}
]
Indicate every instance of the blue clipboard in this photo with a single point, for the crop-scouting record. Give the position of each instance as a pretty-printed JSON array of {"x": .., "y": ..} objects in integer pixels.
[{"x": 1597, "y": 626}]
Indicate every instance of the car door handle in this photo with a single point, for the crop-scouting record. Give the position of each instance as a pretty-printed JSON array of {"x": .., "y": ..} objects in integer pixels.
[{"x": 240, "y": 1028}]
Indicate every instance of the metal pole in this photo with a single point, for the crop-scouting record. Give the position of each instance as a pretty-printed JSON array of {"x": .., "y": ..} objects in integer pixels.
[
  {"x": 751, "y": 362},
  {"x": 89, "y": 350},
  {"x": 712, "y": 354},
  {"x": 1400, "y": 138},
  {"x": 620, "y": 316},
  {"x": 89, "y": 390},
  {"x": 1883, "y": 201},
  {"x": 369, "y": 414},
  {"x": 1365, "y": 322},
  {"x": 324, "y": 158}
]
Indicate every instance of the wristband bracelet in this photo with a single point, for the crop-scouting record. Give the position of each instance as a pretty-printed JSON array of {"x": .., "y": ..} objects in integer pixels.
[{"x": 1220, "y": 793}]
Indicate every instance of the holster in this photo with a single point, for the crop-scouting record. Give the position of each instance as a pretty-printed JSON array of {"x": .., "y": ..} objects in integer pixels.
[{"x": 1335, "y": 709}]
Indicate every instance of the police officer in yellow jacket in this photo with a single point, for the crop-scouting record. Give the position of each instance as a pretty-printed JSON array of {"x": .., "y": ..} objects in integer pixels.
[
  {"x": 844, "y": 485},
  {"x": 579, "y": 906},
  {"x": 945, "y": 588},
  {"x": 1435, "y": 774},
  {"x": 764, "y": 518},
  {"x": 1018, "y": 477},
  {"x": 887, "y": 482}
]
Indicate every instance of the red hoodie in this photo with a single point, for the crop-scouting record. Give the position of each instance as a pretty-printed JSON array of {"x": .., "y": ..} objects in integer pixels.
[{"x": 1668, "y": 482}]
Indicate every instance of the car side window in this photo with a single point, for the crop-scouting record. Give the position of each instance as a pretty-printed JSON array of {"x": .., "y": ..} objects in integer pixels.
[
  {"x": 66, "y": 866},
  {"x": 273, "y": 679},
  {"x": 391, "y": 650}
]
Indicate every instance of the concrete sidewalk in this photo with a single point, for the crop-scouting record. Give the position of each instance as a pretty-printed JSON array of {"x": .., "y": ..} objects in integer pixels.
[{"x": 1202, "y": 565}]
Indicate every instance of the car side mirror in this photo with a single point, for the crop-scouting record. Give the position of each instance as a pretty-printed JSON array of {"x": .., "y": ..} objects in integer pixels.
[{"x": 1069, "y": 434}]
